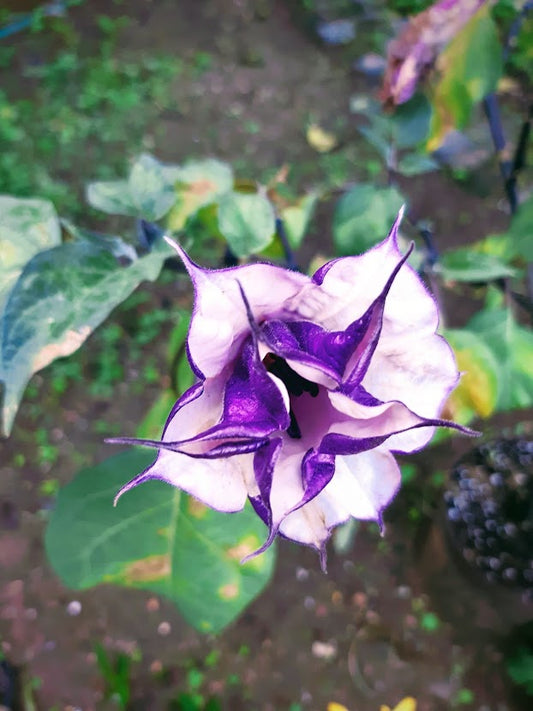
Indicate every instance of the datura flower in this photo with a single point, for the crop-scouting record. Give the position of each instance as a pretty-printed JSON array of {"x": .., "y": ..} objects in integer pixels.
[{"x": 306, "y": 385}]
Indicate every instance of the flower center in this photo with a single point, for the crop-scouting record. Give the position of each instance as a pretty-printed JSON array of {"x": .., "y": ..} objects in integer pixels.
[{"x": 296, "y": 385}]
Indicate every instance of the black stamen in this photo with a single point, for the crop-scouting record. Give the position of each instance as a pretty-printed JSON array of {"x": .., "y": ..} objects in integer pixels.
[
  {"x": 295, "y": 384},
  {"x": 293, "y": 430}
]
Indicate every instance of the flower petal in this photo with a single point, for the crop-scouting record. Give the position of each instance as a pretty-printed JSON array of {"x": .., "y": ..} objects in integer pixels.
[
  {"x": 363, "y": 485},
  {"x": 255, "y": 404},
  {"x": 366, "y": 425},
  {"x": 421, "y": 372},
  {"x": 265, "y": 461},
  {"x": 219, "y": 321},
  {"x": 218, "y": 483},
  {"x": 233, "y": 417},
  {"x": 411, "y": 364}
]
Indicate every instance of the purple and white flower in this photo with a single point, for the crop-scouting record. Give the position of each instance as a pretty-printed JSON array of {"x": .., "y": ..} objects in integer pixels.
[{"x": 306, "y": 385}]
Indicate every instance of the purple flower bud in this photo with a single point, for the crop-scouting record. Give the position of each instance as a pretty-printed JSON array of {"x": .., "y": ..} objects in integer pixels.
[{"x": 306, "y": 385}]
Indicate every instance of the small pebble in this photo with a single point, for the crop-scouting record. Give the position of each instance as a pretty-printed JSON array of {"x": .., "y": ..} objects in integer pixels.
[
  {"x": 164, "y": 629},
  {"x": 152, "y": 604},
  {"x": 156, "y": 667},
  {"x": 324, "y": 650},
  {"x": 302, "y": 574},
  {"x": 336, "y": 598},
  {"x": 74, "y": 608},
  {"x": 309, "y": 603},
  {"x": 359, "y": 599}
]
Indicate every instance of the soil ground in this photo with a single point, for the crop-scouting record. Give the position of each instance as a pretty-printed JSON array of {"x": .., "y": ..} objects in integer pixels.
[{"x": 360, "y": 635}]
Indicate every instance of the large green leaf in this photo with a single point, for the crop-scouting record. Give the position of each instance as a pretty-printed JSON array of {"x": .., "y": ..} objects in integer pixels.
[
  {"x": 520, "y": 234},
  {"x": 157, "y": 538},
  {"x": 296, "y": 218},
  {"x": 470, "y": 66},
  {"x": 464, "y": 264},
  {"x": 478, "y": 389},
  {"x": 515, "y": 245},
  {"x": 410, "y": 122},
  {"x": 512, "y": 346},
  {"x": 197, "y": 183},
  {"x": 247, "y": 222},
  {"x": 148, "y": 192},
  {"x": 416, "y": 164},
  {"x": 27, "y": 226},
  {"x": 364, "y": 216},
  {"x": 61, "y": 296}
]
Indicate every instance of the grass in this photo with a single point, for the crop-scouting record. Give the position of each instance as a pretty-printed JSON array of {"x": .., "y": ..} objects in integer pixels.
[{"x": 76, "y": 102}]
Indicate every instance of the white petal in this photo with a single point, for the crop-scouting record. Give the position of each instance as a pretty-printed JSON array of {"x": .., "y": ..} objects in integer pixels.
[
  {"x": 363, "y": 484},
  {"x": 312, "y": 523},
  {"x": 218, "y": 483},
  {"x": 366, "y": 421},
  {"x": 421, "y": 372},
  {"x": 219, "y": 320},
  {"x": 199, "y": 414}
]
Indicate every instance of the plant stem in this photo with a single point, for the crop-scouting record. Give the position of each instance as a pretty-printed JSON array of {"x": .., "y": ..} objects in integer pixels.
[
  {"x": 492, "y": 112},
  {"x": 281, "y": 233}
]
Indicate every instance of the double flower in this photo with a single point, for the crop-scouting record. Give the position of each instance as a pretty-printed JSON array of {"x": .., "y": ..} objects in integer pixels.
[{"x": 306, "y": 385}]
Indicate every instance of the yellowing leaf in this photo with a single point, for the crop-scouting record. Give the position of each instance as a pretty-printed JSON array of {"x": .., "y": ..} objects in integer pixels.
[
  {"x": 407, "y": 704},
  {"x": 470, "y": 68},
  {"x": 476, "y": 385},
  {"x": 477, "y": 392},
  {"x": 333, "y": 706},
  {"x": 320, "y": 140}
]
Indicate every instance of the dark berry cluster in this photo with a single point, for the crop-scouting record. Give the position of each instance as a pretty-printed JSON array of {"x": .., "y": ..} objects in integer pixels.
[{"x": 489, "y": 504}]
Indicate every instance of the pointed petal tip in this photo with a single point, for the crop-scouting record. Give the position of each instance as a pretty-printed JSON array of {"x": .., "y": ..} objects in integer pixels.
[
  {"x": 393, "y": 234},
  {"x": 189, "y": 264},
  {"x": 172, "y": 243},
  {"x": 123, "y": 490},
  {"x": 401, "y": 213},
  {"x": 266, "y": 545},
  {"x": 154, "y": 443}
]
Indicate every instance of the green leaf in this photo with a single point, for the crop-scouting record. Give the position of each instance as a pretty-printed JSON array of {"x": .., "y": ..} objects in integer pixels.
[
  {"x": 27, "y": 227},
  {"x": 197, "y": 183},
  {"x": 406, "y": 128},
  {"x": 471, "y": 66},
  {"x": 464, "y": 264},
  {"x": 296, "y": 218},
  {"x": 410, "y": 122},
  {"x": 515, "y": 244},
  {"x": 112, "y": 196},
  {"x": 415, "y": 164},
  {"x": 520, "y": 667},
  {"x": 61, "y": 296},
  {"x": 157, "y": 538},
  {"x": 364, "y": 216},
  {"x": 512, "y": 346},
  {"x": 151, "y": 192},
  {"x": 520, "y": 244},
  {"x": 148, "y": 192},
  {"x": 247, "y": 222},
  {"x": 478, "y": 390}
]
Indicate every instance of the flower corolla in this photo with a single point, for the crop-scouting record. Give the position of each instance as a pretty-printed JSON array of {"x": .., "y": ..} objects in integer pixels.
[{"x": 306, "y": 385}]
